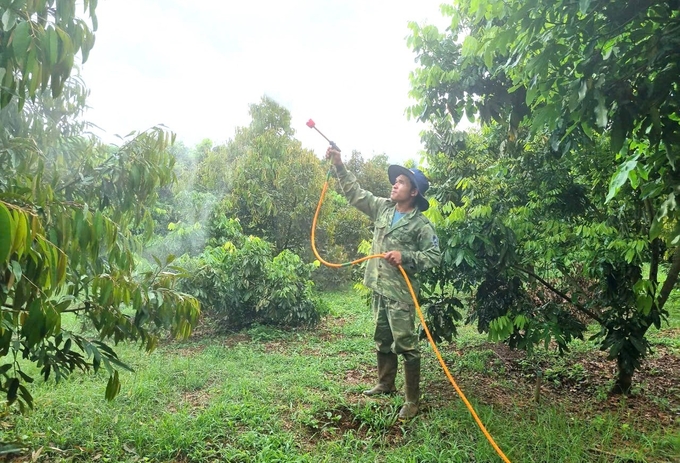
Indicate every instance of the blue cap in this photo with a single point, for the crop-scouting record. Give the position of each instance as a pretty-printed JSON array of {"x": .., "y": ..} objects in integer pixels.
[{"x": 417, "y": 179}]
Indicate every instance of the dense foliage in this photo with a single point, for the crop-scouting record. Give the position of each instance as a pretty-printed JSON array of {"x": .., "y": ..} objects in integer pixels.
[
  {"x": 242, "y": 283},
  {"x": 39, "y": 41},
  {"x": 241, "y": 215},
  {"x": 73, "y": 214},
  {"x": 535, "y": 221}
]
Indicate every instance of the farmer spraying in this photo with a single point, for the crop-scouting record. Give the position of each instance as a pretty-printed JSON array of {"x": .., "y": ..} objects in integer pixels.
[{"x": 406, "y": 238}]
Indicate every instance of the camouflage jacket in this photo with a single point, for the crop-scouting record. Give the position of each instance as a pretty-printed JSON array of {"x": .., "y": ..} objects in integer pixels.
[{"x": 413, "y": 235}]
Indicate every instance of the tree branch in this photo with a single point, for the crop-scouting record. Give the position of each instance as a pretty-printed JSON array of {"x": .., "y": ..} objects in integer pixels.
[
  {"x": 75, "y": 310},
  {"x": 77, "y": 178},
  {"x": 9, "y": 308},
  {"x": 290, "y": 223},
  {"x": 560, "y": 293},
  {"x": 655, "y": 248},
  {"x": 671, "y": 279}
]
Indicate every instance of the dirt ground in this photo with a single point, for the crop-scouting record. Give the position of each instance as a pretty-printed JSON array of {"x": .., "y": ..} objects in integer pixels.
[{"x": 655, "y": 398}]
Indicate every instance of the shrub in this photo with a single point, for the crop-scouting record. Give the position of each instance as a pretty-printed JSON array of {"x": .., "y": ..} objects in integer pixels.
[
  {"x": 246, "y": 285},
  {"x": 289, "y": 291}
]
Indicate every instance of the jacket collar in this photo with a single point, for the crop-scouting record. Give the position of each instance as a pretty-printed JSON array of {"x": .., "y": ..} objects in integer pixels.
[{"x": 404, "y": 220}]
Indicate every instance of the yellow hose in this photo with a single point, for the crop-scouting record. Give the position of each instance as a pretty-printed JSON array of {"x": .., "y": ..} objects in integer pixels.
[{"x": 420, "y": 315}]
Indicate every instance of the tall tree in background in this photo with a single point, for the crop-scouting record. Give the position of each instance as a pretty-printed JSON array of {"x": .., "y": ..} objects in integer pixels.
[
  {"x": 561, "y": 72},
  {"x": 275, "y": 182},
  {"x": 73, "y": 212},
  {"x": 371, "y": 173}
]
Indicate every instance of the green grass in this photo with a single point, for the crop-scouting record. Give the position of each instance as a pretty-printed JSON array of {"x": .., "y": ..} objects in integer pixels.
[{"x": 268, "y": 395}]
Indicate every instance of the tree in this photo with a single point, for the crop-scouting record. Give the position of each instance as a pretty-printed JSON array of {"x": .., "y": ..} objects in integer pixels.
[
  {"x": 557, "y": 74},
  {"x": 73, "y": 213},
  {"x": 371, "y": 173},
  {"x": 240, "y": 283},
  {"x": 214, "y": 166},
  {"x": 275, "y": 182}
]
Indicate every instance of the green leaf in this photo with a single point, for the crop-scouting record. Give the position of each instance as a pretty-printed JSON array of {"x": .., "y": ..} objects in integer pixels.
[
  {"x": 113, "y": 386},
  {"x": 26, "y": 395},
  {"x": 16, "y": 270},
  {"x": 12, "y": 390},
  {"x": 20, "y": 41},
  {"x": 583, "y": 6},
  {"x": 66, "y": 45},
  {"x": 618, "y": 133},
  {"x": 52, "y": 46},
  {"x": 587, "y": 130},
  {"x": 488, "y": 57},
  {"x": 470, "y": 46},
  {"x": 583, "y": 90},
  {"x": 620, "y": 178},
  {"x": 532, "y": 92},
  {"x": 5, "y": 234},
  {"x": 656, "y": 228},
  {"x": 638, "y": 344},
  {"x": 9, "y": 19},
  {"x": 33, "y": 328},
  {"x": 61, "y": 268},
  {"x": 25, "y": 377},
  {"x": 21, "y": 232},
  {"x": 106, "y": 291},
  {"x": 629, "y": 255},
  {"x": 34, "y": 68},
  {"x": 644, "y": 304}
]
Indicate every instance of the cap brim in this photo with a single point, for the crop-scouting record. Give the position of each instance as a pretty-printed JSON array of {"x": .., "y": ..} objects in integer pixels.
[{"x": 395, "y": 171}]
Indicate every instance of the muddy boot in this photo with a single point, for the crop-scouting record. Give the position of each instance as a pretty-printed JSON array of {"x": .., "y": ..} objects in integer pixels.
[
  {"x": 412, "y": 386},
  {"x": 387, "y": 372}
]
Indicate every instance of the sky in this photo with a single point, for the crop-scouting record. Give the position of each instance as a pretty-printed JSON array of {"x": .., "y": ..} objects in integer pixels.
[{"x": 195, "y": 66}]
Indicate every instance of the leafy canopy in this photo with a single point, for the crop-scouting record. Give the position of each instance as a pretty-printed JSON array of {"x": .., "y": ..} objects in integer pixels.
[
  {"x": 39, "y": 40},
  {"x": 74, "y": 213},
  {"x": 538, "y": 202}
]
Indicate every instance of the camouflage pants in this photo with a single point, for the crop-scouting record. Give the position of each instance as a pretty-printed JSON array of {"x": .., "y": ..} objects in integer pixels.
[{"x": 395, "y": 327}]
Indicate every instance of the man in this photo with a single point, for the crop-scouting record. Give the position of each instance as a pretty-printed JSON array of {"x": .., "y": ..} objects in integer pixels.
[{"x": 405, "y": 237}]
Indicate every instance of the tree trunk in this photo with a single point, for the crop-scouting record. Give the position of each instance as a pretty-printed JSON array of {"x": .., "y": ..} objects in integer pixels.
[
  {"x": 628, "y": 358},
  {"x": 624, "y": 381},
  {"x": 671, "y": 279}
]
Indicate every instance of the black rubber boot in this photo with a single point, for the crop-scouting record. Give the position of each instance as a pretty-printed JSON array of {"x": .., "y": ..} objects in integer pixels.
[
  {"x": 387, "y": 372},
  {"x": 412, "y": 386}
]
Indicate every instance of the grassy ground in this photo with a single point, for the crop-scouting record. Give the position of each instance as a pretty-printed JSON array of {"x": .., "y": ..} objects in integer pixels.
[{"x": 295, "y": 396}]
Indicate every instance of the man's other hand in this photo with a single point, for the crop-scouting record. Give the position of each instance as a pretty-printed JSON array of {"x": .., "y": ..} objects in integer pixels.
[{"x": 393, "y": 257}]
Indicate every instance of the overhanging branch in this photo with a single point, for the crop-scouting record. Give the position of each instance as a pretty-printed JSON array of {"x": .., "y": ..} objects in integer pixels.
[{"x": 579, "y": 307}]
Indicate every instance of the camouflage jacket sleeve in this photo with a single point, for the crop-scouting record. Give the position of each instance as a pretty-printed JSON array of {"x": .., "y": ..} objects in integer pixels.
[{"x": 363, "y": 200}]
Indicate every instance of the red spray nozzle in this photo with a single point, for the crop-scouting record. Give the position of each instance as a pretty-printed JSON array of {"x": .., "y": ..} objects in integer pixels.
[{"x": 312, "y": 125}]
